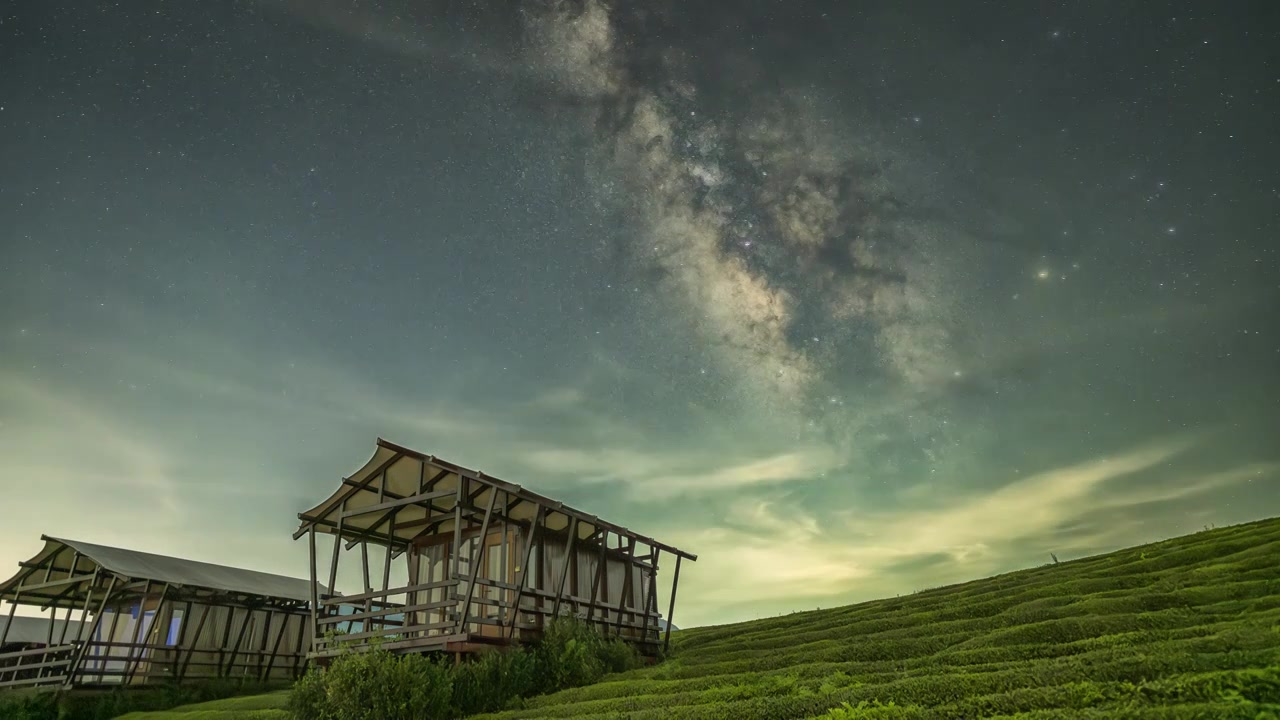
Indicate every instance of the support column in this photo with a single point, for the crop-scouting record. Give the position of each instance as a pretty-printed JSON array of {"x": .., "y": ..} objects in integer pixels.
[{"x": 671, "y": 608}]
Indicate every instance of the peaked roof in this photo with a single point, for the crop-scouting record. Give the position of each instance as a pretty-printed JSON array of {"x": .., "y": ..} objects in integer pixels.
[
  {"x": 397, "y": 472},
  {"x": 137, "y": 565}
]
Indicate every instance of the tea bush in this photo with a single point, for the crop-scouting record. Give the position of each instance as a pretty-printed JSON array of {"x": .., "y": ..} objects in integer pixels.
[{"x": 380, "y": 685}]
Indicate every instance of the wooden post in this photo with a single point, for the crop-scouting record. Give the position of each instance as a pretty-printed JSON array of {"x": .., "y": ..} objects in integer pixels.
[
  {"x": 315, "y": 589},
  {"x": 182, "y": 636},
  {"x": 626, "y": 583},
  {"x": 456, "y": 565},
  {"x": 503, "y": 558},
  {"x": 75, "y": 560},
  {"x": 601, "y": 564},
  {"x": 111, "y": 635},
  {"x": 262, "y": 647},
  {"x": 337, "y": 546},
  {"x": 300, "y": 658},
  {"x": 275, "y": 648},
  {"x": 386, "y": 569},
  {"x": 476, "y": 561},
  {"x": 522, "y": 573},
  {"x": 195, "y": 640},
  {"x": 568, "y": 562},
  {"x": 235, "y": 649},
  {"x": 364, "y": 571},
  {"x": 671, "y": 608},
  {"x": 151, "y": 631},
  {"x": 651, "y": 597},
  {"x": 97, "y": 621},
  {"x": 226, "y": 636},
  {"x": 13, "y": 607},
  {"x": 137, "y": 631}
]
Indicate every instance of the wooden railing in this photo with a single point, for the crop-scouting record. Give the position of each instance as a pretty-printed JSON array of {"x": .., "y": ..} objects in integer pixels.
[
  {"x": 370, "y": 617},
  {"x": 119, "y": 663},
  {"x": 37, "y": 666}
]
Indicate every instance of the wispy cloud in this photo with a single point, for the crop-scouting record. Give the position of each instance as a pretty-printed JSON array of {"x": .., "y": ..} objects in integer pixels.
[
  {"x": 771, "y": 553},
  {"x": 656, "y": 476}
]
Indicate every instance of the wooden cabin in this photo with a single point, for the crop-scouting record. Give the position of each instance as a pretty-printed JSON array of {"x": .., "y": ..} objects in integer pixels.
[
  {"x": 123, "y": 617},
  {"x": 478, "y": 562}
]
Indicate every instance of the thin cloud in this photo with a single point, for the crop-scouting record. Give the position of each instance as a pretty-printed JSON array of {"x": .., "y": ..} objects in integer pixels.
[
  {"x": 652, "y": 476},
  {"x": 770, "y": 552}
]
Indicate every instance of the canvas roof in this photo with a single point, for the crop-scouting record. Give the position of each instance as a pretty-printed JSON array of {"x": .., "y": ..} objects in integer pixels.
[
  {"x": 137, "y": 565},
  {"x": 408, "y": 472}
]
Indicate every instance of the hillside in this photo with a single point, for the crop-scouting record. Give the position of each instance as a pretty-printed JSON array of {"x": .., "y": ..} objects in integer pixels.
[{"x": 1188, "y": 627}]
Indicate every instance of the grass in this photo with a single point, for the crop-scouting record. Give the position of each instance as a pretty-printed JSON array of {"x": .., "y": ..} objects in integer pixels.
[
  {"x": 1185, "y": 628},
  {"x": 252, "y": 707}
]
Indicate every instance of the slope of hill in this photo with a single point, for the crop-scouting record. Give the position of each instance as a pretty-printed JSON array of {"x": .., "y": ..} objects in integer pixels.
[{"x": 1185, "y": 628}]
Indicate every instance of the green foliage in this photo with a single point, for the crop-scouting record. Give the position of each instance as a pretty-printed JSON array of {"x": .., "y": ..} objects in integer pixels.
[
  {"x": 1186, "y": 628},
  {"x": 493, "y": 680},
  {"x": 374, "y": 685},
  {"x": 379, "y": 685},
  {"x": 28, "y": 705},
  {"x": 572, "y": 654},
  {"x": 106, "y": 704}
]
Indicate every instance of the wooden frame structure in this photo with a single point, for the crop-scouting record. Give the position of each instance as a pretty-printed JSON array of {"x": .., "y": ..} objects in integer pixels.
[
  {"x": 484, "y": 562},
  {"x": 133, "y": 618}
]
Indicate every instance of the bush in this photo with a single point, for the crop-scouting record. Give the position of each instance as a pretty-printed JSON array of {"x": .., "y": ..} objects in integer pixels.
[
  {"x": 105, "y": 704},
  {"x": 377, "y": 684},
  {"x": 25, "y": 705},
  {"x": 493, "y": 680},
  {"x": 374, "y": 685},
  {"x": 573, "y": 653}
]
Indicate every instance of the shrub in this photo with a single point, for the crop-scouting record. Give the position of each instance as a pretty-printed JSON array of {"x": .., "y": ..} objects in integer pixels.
[
  {"x": 573, "y": 653},
  {"x": 374, "y": 685},
  {"x": 378, "y": 685},
  {"x": 24, "y": 705},
  {"x": 105, "y": 704},
  {"x": 493, "y": 680}
]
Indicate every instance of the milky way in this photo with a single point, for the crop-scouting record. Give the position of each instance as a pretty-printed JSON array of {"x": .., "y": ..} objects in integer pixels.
[
  {"x": 788, "y": 246},
  {"x": 884, "y": 295}
]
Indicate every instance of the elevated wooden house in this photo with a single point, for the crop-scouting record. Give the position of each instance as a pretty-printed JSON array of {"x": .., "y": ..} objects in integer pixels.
[
  {"x": 123, "y": 617},
  {"x": 482, "y": 562}
]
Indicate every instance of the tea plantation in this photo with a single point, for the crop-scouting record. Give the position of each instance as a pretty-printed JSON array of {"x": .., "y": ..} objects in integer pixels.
[{"x": 1185, "y": 628}]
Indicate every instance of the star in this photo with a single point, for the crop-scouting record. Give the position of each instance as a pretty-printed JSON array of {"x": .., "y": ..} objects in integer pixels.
[{"x": 1043, "y": 274}]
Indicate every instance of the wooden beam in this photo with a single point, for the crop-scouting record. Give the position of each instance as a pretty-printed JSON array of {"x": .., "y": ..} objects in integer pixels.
[
  {"x": 54, "y": 583},
  {"x": 195, "y": 640},
  {"x": 308, "y": 522},
  {"x": 423, "y": 487},
  {"x": 315, "y": 587},
  {"x": 111, "y": 634},
  {"x": 523, "y": 571},
  {"x": 337, "y": 546},
  {"x": 568, "y": 563},
  {"x": 386, "y": 566},
  {"x": 671, "y": 608},
  {"x": 151, "y": 630},
  {"x": 396, "y": 504},
  {"x": 651, "y": 597},
  {"x": 476, "y": 563},
  {"x": 601, "y": 564},
  {"x": 235, "y": 649},
  {"x": 626, "y": 585},
  {"x": 262, "y": 648},
  {"x": 182, "y": 636},
  {"x": 275, "y": 647},
  {"x": 80, "y": 632}
]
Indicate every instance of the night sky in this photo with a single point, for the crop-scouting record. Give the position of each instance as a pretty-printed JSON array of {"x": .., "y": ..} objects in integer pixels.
[{"x": 850, "y": 299}]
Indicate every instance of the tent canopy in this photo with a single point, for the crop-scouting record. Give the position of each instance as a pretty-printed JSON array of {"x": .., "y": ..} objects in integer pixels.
[
  {"x": 360, "y": 509},
  {"x": 63, "y": 565}
]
